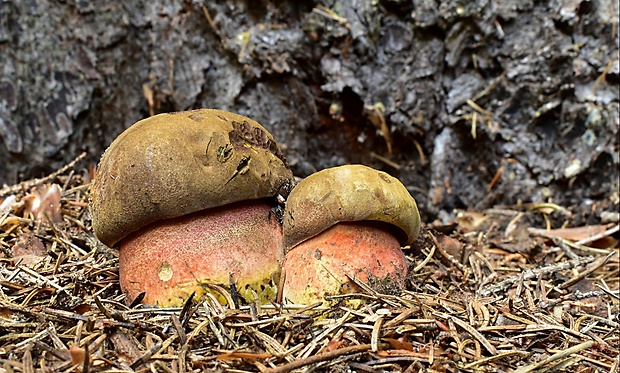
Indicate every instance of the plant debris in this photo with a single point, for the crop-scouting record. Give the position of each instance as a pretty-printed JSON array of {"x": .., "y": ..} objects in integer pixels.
[{"x": 494, "y": 292}]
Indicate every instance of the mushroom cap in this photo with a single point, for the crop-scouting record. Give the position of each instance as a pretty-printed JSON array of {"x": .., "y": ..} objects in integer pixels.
[
  {"x": 174, "y": 164},
  {"x": 349, "y": 193}
]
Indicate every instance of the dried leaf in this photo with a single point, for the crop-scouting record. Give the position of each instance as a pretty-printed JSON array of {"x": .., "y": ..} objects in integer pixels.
[
  {"x": 450, "y": 245},
  {"x": 8, "y": 203},
  {"x": 469, "y": 221},
  {"x": 78, "y": 355},
  {"x": 44, "y": 203},
  {"x": 398, "y": 344},
  {"x": 29, "y": 249},
  {"x": 6, "y": 314},
  {"x": 333, "y": 345},
  {"x": 573, "y": 234}
]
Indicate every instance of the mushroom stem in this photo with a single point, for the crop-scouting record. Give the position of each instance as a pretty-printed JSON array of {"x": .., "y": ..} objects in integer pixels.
[
  {"x": 172, "y": 258},
  {"x": 319, "y": 266}
]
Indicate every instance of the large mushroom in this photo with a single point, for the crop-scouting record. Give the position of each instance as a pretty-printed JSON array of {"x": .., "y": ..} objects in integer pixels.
[
  {"x": 346, "y": 223},
  {"x": 188, "y": 198}
]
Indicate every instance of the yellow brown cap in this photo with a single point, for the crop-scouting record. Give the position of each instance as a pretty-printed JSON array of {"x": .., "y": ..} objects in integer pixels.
[
  {"x": 174, "y": 164},
  {"x": 348, "y": 193}
]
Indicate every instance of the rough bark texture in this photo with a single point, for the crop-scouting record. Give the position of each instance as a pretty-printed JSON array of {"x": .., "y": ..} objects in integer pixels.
[{"x": 539, "y": 78}]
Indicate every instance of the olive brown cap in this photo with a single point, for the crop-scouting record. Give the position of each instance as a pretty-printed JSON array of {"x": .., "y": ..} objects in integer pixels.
[
  {"x": 344, "y": 194},
  {"x": 174, "y": 164}
]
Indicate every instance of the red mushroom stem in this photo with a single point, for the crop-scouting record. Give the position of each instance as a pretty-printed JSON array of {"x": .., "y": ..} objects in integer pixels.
[
  {"x": 170, "y": 259},
  {"x": 319, "y": 266}
]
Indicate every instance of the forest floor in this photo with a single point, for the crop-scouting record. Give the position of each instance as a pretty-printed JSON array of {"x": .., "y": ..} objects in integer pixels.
[{"x": 494, "y": 291}]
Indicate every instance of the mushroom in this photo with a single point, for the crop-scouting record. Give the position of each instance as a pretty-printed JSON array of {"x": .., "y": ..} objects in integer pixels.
[
  {"x": 188, "y": 198},
  {"x": 346, "y": 224}
]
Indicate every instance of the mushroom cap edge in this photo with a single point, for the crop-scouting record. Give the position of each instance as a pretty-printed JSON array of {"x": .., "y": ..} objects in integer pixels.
[
  {"x": 348, "y": 193},
  {"x": 173, "y": 164}
]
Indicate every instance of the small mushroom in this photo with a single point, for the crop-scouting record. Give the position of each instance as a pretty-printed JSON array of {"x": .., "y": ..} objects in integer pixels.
[
  {"x": 346, "y": 223},
  {"x": 188, "y": 197}
]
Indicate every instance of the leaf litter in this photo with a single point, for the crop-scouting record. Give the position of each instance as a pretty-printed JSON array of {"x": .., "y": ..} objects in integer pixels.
[{"x": 495, "y": 291}]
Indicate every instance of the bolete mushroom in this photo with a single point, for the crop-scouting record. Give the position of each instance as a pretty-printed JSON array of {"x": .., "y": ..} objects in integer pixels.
[
  {"x": 188, "y": 197},
  {"x": 346, "y": 223}
]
